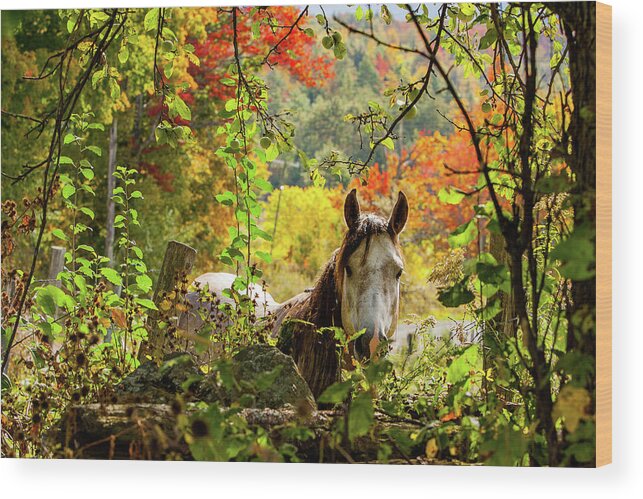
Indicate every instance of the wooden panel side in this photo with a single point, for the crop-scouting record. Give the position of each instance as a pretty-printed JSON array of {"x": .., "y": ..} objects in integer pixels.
[{"x": 603, "y": 234}]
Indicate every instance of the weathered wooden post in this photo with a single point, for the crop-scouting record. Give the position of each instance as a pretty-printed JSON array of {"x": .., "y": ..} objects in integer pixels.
[
  {"x": 177, "y": 265},
  {"x": 56, "y": 264}
]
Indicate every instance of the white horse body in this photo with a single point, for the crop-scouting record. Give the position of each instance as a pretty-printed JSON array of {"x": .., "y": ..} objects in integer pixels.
[{"x": 214, "y": 283}]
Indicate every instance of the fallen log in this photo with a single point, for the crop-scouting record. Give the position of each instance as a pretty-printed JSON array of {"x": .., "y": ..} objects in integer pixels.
[{"x": 152, "y": 431}]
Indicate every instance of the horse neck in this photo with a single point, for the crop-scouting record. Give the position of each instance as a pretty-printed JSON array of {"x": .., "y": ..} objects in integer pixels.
[{"x": 325, "y": 302}]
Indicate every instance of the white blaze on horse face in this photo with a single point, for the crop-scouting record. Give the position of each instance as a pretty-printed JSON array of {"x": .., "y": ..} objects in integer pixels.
[{"x": 371, "y": 290}]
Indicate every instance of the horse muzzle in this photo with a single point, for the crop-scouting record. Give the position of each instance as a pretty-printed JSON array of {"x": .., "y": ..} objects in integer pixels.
[{"x": 370, "y": 345}]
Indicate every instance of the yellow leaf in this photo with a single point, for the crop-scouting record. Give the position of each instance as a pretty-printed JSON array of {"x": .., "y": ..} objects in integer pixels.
[{"x": 432, "y": 448}]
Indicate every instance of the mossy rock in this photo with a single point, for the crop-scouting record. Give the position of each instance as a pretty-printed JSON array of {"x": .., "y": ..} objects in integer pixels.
[
  {"x": 261, "y": 376},
  {"x": 177, "y": 374}
]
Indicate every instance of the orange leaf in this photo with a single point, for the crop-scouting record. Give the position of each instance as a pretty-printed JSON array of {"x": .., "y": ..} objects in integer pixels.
[{"x": 118, "y": 316}]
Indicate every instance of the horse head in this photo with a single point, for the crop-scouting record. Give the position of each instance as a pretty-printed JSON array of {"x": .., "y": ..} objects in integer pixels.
[{"x": 368, "y": 268}]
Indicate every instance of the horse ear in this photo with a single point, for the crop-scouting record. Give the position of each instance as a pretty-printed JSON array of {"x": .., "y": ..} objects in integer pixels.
[
  {"x": 351, "y": 209},
  {"x": 400, "y": 214}
]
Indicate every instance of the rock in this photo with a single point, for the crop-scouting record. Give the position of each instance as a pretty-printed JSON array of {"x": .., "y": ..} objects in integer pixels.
[
  {"x": 264, "y": 378},
  {"x": 259, "y": 376},
  {"x": 177, "y": 374}
]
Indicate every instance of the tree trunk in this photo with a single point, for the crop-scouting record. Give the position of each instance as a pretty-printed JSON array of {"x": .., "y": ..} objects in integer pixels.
[
  {"x": 579, "y": 23},
  {"x": 579, "y": 20}
]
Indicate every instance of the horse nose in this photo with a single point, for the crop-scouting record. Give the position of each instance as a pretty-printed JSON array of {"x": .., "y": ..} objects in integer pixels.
[{"x": 368, "y": 345}]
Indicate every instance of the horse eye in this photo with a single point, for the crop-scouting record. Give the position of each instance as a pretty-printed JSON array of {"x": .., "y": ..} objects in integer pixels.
[
  {"x": 349, "y": 272},
  {"x": 399, "y": 274}
]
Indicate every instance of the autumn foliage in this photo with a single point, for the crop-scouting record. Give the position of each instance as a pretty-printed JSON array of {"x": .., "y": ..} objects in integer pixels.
[
  {"x": 434, "y": 162},
  {"x": 255, "y": 41}
]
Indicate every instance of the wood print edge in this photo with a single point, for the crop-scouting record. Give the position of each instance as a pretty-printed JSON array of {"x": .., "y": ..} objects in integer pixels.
[{"x": 603, "y": 234}]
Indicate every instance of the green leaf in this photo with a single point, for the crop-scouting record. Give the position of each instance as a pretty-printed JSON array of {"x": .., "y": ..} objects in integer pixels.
[
  {"x": 168, "y": 70},
  {"x": 457, "y": 295},
  {"x": 98, "y": 75},
  {"x": 88, "y": 173},
  {"x": 51, "y": 297},
  {"x": 137, "y": 251},
  {"x": 467, "y": 10},
  {"x": 266, "y": 257},
  {"x": 488, "y": 39},
  {"x": 227, "y": 198},
  {"x": 87, "y": 212},
  {"x": 449, "y": 195},
  {"x": 376, "y": 371},
  {"x": 264, "y": 185},
  {"x": 360, "y": 415},
  {"x": 59, "y": 234},
  {"x": 181, "y": 108},
  {"x": 112, "y": 276},
  {"x": 388, "y": 143},
  {"x": 95, "y": 149},
  {"x": 461, "y": 367},
  {"x": 144, "y": 282},
  {"x": 580, "y": 367},
  {"x": 65, "y": 160},
  {"x": 577, "y": 254},
  {"x": 272, "y": 152},
  {"x": 114, "y": 89},
  {"x": 80, "y": 283},
  {"x": 151, "y": 20},
  {"x": 144, "y": 302},
  {"x": 336, "y": 393},
  {"x": 68, "y": 191},
  {"x": 99, "y": 16},
  {"x": 6, "y": 382},
  {"x": 69, "y": 138},
  {"x": 463, "y": 235},
  {"x": 123, "y": 54},
  {"x": 494, "y": 274},
  {"x": 339, "y": 49},
  {"x": 385, "y": 14},
  {"x": 506, "y": 448}
]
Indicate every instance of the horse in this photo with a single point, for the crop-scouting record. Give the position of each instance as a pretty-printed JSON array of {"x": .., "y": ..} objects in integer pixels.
[{"x": 358, "y": 289}]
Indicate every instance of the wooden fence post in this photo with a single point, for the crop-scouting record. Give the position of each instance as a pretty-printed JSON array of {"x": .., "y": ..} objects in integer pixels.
[
  {"x": 177, "y": 264},
  {"x": 56, "y": 264}
]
